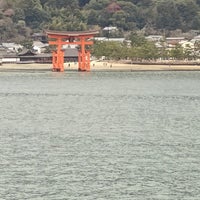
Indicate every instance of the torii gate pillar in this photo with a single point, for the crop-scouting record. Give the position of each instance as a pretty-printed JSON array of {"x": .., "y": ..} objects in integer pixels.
[
  {"x": 83, "y": 56},
  {"x": 78, "y": 38}
]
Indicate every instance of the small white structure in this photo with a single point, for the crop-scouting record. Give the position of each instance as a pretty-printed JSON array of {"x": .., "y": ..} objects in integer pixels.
[
  {"x": 105, "y": 39},
  {"x": 154, "y": 38},
  {"x": 10, "y": 59},
  {"x": 175, "y": 40},
  {"x": 39, "y": 47},
  {"x": 12, "y": 47},
  {"x": 110, "y": 28},
  {"x": 100, "y": 38}
]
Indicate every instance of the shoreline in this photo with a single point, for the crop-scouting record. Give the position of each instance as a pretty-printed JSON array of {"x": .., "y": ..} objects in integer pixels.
[{"x": 100, "y": 66}]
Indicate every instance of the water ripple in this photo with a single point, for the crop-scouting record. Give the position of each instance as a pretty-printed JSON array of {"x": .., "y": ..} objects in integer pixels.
[{"x": 132, "y": 136}]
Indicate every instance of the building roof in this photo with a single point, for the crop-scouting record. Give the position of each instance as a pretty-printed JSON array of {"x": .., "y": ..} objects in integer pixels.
[
  {"x": 11, "y": 46},
  {"x": 39, "y": 44},
  {"x": 110, "y": 28},
  {"x": 26, "y": 52},
  {"x": 175, "y": 38},
  {"x": 110, "y": 39},
  {"x": 69, "y": 52},
  {"x": 154, "y": 37}
]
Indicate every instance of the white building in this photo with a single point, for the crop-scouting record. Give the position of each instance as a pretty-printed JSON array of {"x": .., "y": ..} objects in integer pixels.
[
  {"x": 154, "y": 38},
  {"x": 12, "y": 47},
  {"x": 39, "y": 47}
]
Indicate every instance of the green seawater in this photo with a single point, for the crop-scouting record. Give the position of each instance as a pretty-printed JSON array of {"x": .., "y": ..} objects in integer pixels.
[{"x": 100, "y": 135}]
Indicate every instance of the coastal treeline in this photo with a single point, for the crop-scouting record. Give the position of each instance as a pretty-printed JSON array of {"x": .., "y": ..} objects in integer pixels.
[
  {"x": 138, "y": 48},
  {"x": 20, "y": 18}
]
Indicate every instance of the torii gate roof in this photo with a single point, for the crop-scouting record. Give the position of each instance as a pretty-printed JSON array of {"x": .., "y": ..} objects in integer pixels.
[{"x": 72, "y": 33}]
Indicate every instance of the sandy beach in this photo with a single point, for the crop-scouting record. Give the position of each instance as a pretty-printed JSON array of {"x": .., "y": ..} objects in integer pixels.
[{"x": 101, "y": 66}]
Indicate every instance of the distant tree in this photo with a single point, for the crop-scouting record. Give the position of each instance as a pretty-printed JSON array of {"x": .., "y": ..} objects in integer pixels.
[
  {"x": 97, "y": 5},
  {"x": 143, "y": 3},
  {"x": 7, "y": 29},
  {"x": 22, "y": 29},
  {"x": 168, "y": 16},
  {"x": 93, "y": 17},
  {"x": 137, "y": 40},
  {"x": 27, "y": 43},
  {"x": 34, "y": 13},
  {"x": 150, "y": 16},
  {"x": 198, "y": 2},
  {"x": 19, "y": 15},
  {"x": 149, "y": 51},
  {"x": 177, "y": 53},
  {"x": 71, "y": 4},
  {"x": 110, "y": 49},
  {"x": 189, "y": 52},
  {"x": 83, "y": 2},
  {"x": 188, "y": 10},
  {"x": 197, "y": 49}
]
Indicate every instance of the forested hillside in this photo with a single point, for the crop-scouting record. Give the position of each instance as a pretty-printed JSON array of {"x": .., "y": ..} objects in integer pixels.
[{"x": 20, "y": 18}]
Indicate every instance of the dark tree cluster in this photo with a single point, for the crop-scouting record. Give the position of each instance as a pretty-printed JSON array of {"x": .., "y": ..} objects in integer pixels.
[{"x": 20, "y": 18}]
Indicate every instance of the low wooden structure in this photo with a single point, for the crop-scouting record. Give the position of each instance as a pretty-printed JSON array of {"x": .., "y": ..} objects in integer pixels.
[{"x": 28, "y": 56}]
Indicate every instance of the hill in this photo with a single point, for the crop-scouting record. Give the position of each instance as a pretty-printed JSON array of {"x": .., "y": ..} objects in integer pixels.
[{"x": 20, "y": 18}]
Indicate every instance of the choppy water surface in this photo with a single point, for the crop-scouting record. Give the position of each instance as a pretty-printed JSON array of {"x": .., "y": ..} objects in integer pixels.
[{"x": 100, "y": 135}]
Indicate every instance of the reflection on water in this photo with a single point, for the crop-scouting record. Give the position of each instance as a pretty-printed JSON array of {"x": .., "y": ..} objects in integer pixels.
[{"x": 100, "y": 135}]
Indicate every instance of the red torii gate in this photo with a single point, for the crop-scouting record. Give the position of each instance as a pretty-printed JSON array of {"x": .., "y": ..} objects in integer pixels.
[{"x": 81, "y": 38}]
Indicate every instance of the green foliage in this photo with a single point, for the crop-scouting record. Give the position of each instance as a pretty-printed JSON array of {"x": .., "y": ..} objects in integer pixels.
[
  {"x": 168, "y": 16},
  {"x": 137, "y": 40},
  {"x": 110, "y": 50},
  {"x": 177, "y": 53},
  {"x": 130, "y": 15},
  {"x": 83, "y": 2},
  {"x": 115, "y": 50},
  {"x": 141, "y": 48},
  {"x": 27, "y": 43}
]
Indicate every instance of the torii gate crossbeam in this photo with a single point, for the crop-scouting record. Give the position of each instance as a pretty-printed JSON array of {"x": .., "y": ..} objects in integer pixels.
[{"x": 81, "y": 38}]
